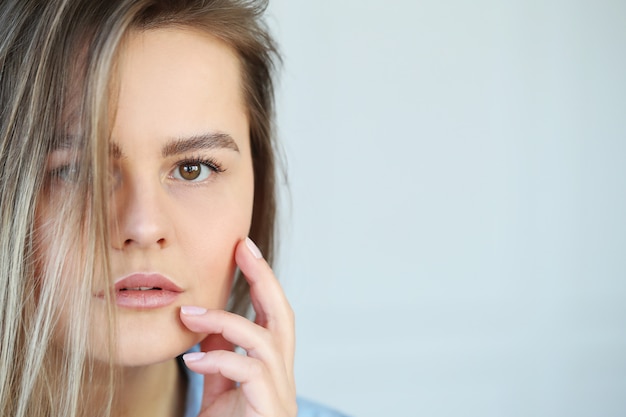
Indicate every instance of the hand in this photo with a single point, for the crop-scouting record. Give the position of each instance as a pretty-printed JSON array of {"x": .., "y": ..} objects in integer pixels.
[{"x": 265, "y": 375}]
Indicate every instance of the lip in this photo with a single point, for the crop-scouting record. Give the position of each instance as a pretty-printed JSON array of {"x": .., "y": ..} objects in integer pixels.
[{"x": 144, "y": 291}]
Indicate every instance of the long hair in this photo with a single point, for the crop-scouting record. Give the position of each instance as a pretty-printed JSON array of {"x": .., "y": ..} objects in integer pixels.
[{"x": 57, "y": 75}]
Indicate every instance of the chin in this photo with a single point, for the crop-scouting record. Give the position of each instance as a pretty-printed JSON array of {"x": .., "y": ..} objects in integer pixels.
[
  {"x": 145, "y": 337},
  {"x": 149, "y": 351}
]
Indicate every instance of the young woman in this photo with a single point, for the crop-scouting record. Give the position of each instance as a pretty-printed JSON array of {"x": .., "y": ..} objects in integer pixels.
[{"x": 136, "y": 158}]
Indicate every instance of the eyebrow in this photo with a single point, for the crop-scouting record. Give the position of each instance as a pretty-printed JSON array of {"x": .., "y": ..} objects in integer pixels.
[
  {"x": 65, "y": 142},
  {"x": 72, "y": 142},
  {"x": 181, "y": 145},
  {"x": 211, "y": 140}
]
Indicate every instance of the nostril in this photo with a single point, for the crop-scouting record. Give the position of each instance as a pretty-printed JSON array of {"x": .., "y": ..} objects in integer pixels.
[{"x": 162, "y": 242}]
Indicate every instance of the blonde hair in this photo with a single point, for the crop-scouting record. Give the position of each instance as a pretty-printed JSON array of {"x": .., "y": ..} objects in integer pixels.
[{"x": 58, "y": 63}]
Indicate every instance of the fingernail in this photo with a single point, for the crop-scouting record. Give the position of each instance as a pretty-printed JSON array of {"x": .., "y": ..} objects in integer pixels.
[
  {"x": 193, "y": 310},
  {"x": 193, "y": 356},
  {"x": 256, "y": 252}
]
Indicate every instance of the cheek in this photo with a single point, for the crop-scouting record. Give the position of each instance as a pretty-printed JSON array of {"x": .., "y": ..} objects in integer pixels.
[
  {"x": 210, "y": 222},
  {"x": 212, "y": 230}
]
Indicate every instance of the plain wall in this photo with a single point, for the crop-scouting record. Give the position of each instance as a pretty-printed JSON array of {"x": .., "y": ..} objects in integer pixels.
[{"x": 454, "y": 241}]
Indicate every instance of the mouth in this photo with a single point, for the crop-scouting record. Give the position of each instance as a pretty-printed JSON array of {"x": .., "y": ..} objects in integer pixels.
[
  {"x": 141, "y": 289},
  {"x": 144, "y": 291}
]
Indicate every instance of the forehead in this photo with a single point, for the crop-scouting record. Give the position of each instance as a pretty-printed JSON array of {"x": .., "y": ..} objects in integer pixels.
[{"x": 178, "y": 81}]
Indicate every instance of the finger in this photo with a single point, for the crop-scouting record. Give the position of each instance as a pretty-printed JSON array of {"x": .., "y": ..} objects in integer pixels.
[
  {"x": 252, "y": 374},
  {"x": 268, "y": 299},
  {"x": 215, "y": 384},
  {"x": 234, "y": 329}
]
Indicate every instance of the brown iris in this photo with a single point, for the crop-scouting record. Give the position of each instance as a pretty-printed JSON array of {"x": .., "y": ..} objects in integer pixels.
[{"x": 190, "y": 171}]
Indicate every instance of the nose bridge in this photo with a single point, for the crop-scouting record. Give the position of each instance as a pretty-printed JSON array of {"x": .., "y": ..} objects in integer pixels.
[{"x": 139, "y": 217}]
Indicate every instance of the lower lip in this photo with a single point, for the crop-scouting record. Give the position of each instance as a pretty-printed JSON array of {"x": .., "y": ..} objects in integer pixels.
[{"x": 145, "y": 299}]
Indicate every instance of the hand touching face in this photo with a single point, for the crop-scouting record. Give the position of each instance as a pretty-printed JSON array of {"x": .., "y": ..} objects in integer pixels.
[{"x": 265, "y": 373}]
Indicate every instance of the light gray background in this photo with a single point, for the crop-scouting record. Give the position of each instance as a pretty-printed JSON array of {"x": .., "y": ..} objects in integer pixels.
[{"x": 455, "y": 239}]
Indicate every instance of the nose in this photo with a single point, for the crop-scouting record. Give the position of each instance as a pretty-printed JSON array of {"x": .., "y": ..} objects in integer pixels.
[{"x": 139, "y": 216}]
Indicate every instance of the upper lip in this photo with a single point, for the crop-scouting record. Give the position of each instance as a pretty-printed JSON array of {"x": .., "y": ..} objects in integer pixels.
[{"x": 145, "y": 281}]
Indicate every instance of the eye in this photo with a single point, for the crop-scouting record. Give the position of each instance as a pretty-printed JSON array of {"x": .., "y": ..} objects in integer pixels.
[
  {"x": 195, "y": 171},
  {"x": 191, "y": 171},
  {"x": 63, "y": 166},
  {"x": 65, "y": 173}
]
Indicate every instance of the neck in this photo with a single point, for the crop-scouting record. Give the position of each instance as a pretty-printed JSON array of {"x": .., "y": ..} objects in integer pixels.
[{"x": 156, "y": 390}]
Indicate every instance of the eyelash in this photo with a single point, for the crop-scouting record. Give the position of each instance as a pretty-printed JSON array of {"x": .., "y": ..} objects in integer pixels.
[
  {"x": 211, "y": 163},
  {"x": 66, "y": 172}
]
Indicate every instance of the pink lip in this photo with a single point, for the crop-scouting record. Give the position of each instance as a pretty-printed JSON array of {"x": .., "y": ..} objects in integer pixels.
[{"x": 145, "y": 291}]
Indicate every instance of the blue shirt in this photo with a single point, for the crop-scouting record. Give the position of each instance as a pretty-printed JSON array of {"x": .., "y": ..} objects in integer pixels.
[{"x": 195, "y": 384}]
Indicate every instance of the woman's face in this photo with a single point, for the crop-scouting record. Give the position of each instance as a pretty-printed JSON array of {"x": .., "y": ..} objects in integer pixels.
[{"x": 182, "y": 194}]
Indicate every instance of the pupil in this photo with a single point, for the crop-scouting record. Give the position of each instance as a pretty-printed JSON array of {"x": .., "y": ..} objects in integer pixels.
[{"x": 190, "y": 171}]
